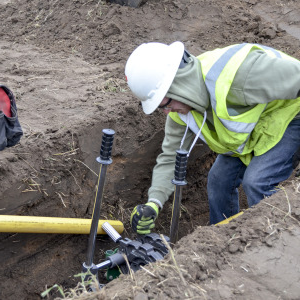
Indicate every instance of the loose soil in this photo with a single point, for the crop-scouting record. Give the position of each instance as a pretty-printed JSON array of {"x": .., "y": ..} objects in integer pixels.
[{"x": 64, "y": 61}]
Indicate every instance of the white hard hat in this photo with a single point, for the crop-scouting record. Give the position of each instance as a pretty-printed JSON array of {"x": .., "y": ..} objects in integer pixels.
[{"x": 150, "y": 71}]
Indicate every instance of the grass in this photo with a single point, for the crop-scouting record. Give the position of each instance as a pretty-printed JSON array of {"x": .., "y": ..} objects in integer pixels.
[
  {"x": 113, "y": 85},
  {"x": 287, "y": 213},
  {"x": 84, "y": 290}
]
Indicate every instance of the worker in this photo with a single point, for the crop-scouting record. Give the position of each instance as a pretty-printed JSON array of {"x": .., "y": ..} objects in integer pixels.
[
  {"x": 10, "y": 128},
  {"x": 243, "y": 101}
]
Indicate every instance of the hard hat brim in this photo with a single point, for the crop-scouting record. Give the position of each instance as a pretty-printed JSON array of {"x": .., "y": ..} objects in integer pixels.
[{"x": 174, "y": 57}]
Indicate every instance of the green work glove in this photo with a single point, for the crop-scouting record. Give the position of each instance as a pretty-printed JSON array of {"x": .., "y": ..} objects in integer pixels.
[{"x": 143, "y": 217}]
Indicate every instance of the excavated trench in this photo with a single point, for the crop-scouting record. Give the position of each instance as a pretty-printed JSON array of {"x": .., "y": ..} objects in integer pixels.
[{"x": 69, "y": 192}]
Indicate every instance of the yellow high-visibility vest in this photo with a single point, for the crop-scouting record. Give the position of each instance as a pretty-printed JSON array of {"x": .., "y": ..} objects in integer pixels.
[{"x": 253, "y": 132}]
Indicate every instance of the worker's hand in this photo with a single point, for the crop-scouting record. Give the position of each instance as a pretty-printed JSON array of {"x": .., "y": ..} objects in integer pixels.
[{"x": 143, "y": 217}]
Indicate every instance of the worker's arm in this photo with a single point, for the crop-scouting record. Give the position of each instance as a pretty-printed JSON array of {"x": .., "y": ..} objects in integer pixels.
[
  {"x": 143, "y": 216},
  {"x": 163, "y": 172},
  {"x": 262, "y": 79}
]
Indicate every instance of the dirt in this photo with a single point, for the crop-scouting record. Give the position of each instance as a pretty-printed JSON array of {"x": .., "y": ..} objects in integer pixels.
[{"x": 64, "y": 61}]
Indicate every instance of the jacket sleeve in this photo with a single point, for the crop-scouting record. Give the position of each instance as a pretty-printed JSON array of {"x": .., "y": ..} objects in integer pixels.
[
  {"x": 163, "y": 172},
  {"x": 262, "y": 79}
]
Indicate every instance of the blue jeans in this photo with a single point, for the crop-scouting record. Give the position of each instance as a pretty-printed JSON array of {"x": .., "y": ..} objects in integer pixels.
[{"x": 259, "y": 179}]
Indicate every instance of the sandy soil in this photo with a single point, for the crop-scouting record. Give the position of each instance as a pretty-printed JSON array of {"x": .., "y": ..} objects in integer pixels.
[{"x": 64, "y": 61}]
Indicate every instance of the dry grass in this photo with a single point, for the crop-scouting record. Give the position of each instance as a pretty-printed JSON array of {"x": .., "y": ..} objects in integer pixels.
[
  {"x": 287, "y": 213},
  {"x": 85, "y": 290},
  {"x": 113, "y": 85}
]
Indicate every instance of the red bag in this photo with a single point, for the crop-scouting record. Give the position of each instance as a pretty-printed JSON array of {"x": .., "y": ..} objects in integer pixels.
[
  {"x": 10, "y": 128},
  {"x": 4, "y": 103}
]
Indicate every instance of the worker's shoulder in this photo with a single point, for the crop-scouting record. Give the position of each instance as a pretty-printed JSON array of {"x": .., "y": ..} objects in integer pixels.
[{"x": 254, "y": 55}]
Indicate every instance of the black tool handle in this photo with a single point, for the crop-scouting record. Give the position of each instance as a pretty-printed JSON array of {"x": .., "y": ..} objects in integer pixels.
[
  {"x": 180, "y": 166},
  {"x": 107, "y": 142},
  {"x": 179, "y": 181}
]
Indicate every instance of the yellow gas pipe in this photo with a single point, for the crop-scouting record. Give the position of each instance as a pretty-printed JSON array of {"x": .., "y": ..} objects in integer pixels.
[
  {"x": 27, "y": 224},
  {"x": 228, "y": 220}
]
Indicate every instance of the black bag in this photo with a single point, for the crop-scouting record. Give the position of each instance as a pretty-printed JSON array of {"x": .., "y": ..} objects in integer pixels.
[{"x": 10, "y": 128}]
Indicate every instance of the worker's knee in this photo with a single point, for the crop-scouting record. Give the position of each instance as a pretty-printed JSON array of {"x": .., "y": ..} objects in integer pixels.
[
  {"x": 255, "y": 187},
  {"x": 250, "y": 180}
]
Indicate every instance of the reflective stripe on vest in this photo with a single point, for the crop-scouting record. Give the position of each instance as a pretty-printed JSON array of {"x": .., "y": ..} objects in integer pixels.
[{"x": 210, "y": 82}]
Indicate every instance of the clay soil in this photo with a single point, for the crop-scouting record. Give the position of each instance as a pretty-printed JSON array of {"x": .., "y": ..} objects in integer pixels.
[{"x": 64, "y": 61}]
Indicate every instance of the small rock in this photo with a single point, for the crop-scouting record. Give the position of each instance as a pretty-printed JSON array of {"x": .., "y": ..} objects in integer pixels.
[
  {"x": 14, "y": 20},
  {"x": 269, "y": 242},
  {"x": 257, "y": 18},
  {"x": 297, "y": 212},
  {"x": 233, "y": 248},
  {"x": 111, "y": 29},
  {"x": 203, "y": 277},
  {"x": 12, "y": 158},
  {"x": 232, "y": 225},
  {"x": 268, "y": 33},
  {"x": 219, "y": 264}
]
